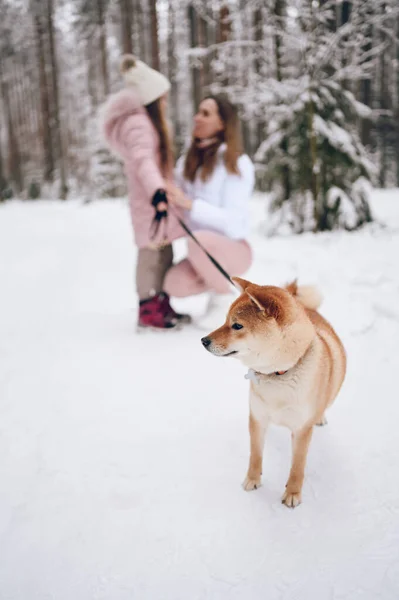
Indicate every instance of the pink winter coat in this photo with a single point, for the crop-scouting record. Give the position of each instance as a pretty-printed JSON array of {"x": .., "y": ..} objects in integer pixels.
[{"x": 131, "y": 134}]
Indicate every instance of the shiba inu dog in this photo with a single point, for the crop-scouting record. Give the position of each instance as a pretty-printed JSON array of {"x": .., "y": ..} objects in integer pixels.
[{"x": 296, "y": 363}]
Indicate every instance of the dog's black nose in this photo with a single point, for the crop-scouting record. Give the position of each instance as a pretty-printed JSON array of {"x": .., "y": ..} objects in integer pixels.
[{"x": 206, "y": 341}]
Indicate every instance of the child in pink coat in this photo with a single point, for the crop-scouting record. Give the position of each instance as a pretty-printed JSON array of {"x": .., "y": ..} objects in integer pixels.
[{"x": 134, "y": 125}]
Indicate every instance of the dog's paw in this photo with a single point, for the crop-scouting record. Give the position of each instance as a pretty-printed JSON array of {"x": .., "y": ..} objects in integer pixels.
[
  {"x": 291, "y": 499},
  {"x": 250, "y": 483},
  {"x": 323, "y": 421}
]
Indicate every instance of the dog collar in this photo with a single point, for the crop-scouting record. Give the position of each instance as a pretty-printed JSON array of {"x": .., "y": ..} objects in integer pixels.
[{"x": 255, "y": 376}]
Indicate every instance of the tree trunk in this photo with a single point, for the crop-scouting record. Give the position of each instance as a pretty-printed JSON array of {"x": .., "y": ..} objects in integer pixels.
[
  {"x": 3, "y": 182},
  {"x": 314, "y": 182},
  {"x": 384, "y": 121},
  {"x": 155, "y": 61},
  {"x": 365, "y": 97},
  {"x": 224, "y": 24},
  {"x": 279, "y": 11},
  {"x": 258, "y": 31},
  {"x": 48, "y": 149},
  {"x": 365, "y": 84},
  {"x": 145, "y": 26},
  {"x": 57, "y": 119},
  {"x": 18, "y": 99},
  {"x": 345, "y": 12},
  {"x": 203, "y": 42},
  {"x": 195, "y": 71},
  {"x": 14, "y": 156},
  {"x": 224, "y": 34},
  {"x": 244, "y": 72},
  {"x": 91, "y": 74},
  {"x": 172, "y": 72},
  {"x": 103, "y": 46},
  {"x": 397, "y": 102},
  {"x": 137, "y": 30},
  {"x": 126, "y": 22}
]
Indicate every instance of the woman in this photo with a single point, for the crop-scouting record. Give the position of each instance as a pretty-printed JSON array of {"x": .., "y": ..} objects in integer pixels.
[
  {"x": 135, "y": 127},
  {"x": 215, "y": 182}
]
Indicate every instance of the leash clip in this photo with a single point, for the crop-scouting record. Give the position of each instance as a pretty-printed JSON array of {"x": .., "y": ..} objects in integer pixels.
[{"x": 252, "y": 376}]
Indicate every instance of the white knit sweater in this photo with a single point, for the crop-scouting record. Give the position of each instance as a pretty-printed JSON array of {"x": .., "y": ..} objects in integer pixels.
[{"x": 221, "y": 203}]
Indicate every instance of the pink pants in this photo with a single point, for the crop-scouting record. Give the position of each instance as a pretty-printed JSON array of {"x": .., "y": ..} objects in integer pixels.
[{"x": 196, "y": 273}]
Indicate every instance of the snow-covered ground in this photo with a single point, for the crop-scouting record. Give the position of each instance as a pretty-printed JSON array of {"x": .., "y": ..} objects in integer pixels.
[{"x": 121, "y": 456}]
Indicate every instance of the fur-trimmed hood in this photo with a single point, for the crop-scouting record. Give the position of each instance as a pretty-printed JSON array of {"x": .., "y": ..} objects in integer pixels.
[{"x": 122, "y": 104}]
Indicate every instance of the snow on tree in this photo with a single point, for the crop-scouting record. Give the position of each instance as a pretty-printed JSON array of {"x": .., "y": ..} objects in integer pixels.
[
  {"x": 313, "y": 80},
  {"x": 312, "y": 118}
]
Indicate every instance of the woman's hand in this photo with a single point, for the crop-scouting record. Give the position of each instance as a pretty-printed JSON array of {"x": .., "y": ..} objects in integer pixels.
[{"x": 177, "y": 197}]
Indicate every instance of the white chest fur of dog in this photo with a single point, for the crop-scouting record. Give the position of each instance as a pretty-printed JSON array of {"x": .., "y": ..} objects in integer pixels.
[
  {"x": 297, "y": 363},
  {"x": 286, "y": 399}
]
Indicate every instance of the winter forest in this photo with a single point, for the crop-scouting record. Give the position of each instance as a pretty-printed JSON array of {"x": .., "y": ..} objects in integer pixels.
[
  {"x": 124, "y": 442},
  {"x": 316, "y": 83}
]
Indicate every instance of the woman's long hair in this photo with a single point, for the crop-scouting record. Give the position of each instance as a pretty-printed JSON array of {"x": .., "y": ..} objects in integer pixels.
[
  {"x": 156, "y": 114},
  {"x": 206, "y": 158}
]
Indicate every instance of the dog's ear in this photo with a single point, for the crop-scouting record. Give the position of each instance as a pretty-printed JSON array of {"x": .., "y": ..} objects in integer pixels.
[
  {"x": 265, "y": 301},
  {"x": 241, "y": 284},
  {"x": 292, "y": 287}
]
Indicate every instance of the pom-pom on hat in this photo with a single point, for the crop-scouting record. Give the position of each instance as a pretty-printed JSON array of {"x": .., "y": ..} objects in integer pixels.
[{"x": 148, "y": 83}]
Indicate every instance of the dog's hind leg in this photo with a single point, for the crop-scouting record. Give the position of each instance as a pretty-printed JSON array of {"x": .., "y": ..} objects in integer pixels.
[
  {"x": 257, "y": 432},
  {"x": 300, "y": 446}
]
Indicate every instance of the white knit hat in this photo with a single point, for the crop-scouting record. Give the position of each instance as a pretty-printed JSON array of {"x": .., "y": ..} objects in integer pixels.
[{"x": 148, "y": 83}]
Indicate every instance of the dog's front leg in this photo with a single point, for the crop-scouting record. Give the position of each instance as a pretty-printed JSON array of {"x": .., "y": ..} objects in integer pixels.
[
  {"x": 257, "y": 433},
  {"x": 300, "y": 445}
]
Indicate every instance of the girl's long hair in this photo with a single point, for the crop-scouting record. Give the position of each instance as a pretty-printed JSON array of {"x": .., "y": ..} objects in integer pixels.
[{"x": 156, "y": 114}]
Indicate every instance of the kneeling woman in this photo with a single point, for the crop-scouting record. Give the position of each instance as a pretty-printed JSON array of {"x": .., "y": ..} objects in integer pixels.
[{"x": 215, "y": 180}]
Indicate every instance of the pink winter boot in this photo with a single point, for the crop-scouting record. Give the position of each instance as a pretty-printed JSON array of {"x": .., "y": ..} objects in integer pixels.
[
  {"x": 152, "y": 314},
  {"x": 170, "y": 313}
]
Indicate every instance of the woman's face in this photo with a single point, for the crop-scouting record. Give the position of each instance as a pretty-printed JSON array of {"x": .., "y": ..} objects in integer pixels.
[{"x": 207, "y": 121}]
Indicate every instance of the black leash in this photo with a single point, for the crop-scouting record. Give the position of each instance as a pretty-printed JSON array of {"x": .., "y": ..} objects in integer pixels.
[
  {"x": 211, "y": 258},
  {"x": 163, "y": 215}
]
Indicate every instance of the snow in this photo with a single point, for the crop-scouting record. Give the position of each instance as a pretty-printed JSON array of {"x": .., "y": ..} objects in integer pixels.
[{"x": 121, "y": 456}]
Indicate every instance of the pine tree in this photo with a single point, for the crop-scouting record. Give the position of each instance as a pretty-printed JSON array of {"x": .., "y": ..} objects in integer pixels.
[{"x": 315, "y": 117}]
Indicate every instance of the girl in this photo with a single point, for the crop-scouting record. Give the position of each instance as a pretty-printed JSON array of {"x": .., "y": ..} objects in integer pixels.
[{"x": 135, "y": 127}]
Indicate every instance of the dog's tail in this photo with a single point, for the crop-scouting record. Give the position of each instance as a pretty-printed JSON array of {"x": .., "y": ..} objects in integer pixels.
[{"x": 308, "y": 295}]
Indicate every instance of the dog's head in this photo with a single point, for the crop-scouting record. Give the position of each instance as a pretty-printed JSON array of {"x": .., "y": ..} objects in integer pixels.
[{"x": 266, "y": 328}]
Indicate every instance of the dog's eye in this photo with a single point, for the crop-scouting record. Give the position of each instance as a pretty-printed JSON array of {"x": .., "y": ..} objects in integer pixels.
[{"x": 236, "y": 326}]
